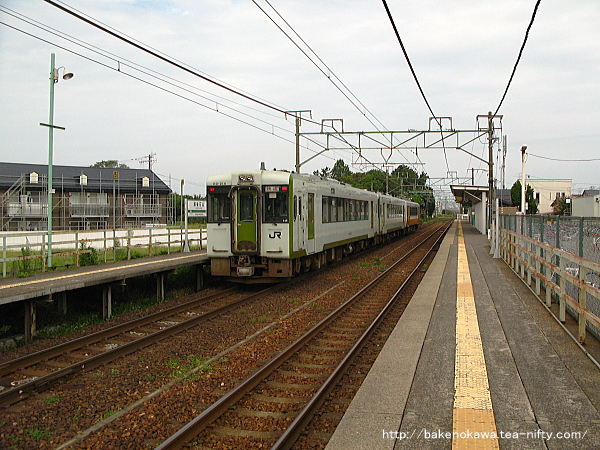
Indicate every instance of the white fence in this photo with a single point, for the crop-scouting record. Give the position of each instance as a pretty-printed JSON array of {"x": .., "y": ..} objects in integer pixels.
[{"x": 32, "y": 246}]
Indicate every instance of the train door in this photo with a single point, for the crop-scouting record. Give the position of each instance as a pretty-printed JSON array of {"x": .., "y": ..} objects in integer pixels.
[
  {"x": 299, "y": 222},
  {"x": 311, "y": 223},
  {"x": 245, "y": 226}
]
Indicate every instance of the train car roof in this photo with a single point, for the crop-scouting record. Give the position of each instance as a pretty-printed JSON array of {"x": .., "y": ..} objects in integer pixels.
[{"x": 262, "y": 177}]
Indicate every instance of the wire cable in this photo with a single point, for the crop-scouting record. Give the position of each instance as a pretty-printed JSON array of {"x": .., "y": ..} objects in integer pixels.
[
  {"x": 563, "y": 160},
  {"x": 167, "y": 90},
  {"x": 412, "y": 70},
  {"x": 537, "y": 4},
  {"x": 329, "y": 74},
  {"x": 166, "y": 59},
  {"x": 120, "y": 61}
]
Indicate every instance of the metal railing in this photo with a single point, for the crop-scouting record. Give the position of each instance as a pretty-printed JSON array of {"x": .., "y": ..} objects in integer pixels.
[
  {"x": 24, "y": 253},
  {"x": 560, "y": 256}
]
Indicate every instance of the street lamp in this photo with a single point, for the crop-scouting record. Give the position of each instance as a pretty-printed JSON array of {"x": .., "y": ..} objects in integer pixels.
[
  {"x": 54, "y": 72},
  {"x": 523, "y": 187}
]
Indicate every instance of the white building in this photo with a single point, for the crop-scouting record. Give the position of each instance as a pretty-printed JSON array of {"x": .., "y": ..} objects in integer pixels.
[
  {"x": 546, "y": 191},
  {"x": 587, "y": 206}
]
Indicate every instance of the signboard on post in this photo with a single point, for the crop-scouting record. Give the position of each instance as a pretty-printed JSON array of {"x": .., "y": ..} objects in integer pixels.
[
  {"x": 196, "y": 208},
  {"x": 193, "y": 208}
]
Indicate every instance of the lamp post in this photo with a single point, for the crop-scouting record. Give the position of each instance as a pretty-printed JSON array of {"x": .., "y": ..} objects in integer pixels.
[
  {"x": 523, "y": 186},
  {"x": 53, "y": 80}
]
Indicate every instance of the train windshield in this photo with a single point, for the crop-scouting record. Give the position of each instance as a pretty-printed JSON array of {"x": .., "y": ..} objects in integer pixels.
[
  {"x": 219, "y": 204},
  {"x": 276, "y": 208}
]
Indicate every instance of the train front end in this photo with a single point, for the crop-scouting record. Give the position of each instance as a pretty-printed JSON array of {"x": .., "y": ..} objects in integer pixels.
[{"x": 248, "y": 228}]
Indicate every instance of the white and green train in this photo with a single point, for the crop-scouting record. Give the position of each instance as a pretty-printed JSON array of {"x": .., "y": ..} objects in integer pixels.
[{"x": 267, "y": 225}]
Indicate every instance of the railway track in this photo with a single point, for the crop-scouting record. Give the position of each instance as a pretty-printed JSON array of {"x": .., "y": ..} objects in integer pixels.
[
  {"x": 273, "y": 406},
  {"x": 33, "y": 373},
  {"x": 37, "y": 371}
]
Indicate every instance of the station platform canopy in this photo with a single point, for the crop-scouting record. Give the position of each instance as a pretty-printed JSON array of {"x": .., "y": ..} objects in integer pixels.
[
  {"x": 474, "y": 198},
  {"x": 469, "y": 195}
]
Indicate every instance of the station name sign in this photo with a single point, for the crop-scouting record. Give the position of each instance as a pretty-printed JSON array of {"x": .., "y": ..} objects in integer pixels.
[{"x": 196, "y": 208}]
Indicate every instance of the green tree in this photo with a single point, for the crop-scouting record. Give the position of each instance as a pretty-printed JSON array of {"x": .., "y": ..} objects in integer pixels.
[
  {"x": 341, "y": 171},
  {"x": 560, "y": 207},
  {"x": 111, "y": 164},
  {"x": 373, "y": 180},
  {"x": 325, "y": 173},
  {"x": 402, "y": 181},
  {"x": 515, "y": 195}
]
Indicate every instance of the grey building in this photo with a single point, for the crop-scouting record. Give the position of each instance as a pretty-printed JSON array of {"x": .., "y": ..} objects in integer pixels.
[{"x": 84, "y": 197}]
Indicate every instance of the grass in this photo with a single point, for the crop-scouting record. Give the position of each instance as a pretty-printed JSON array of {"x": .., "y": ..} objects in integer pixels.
[
  {"x": 260, "y": 319},
  {"x": 52, "y": 399},
  {"x": 179, "y": 368},
  {"x": 70, "y": 324},
  {"x": 29, "y": 261},
  {"x": 38, "y": 434},
  {"x": 107, "y": 414},
  {"x": 376, "y": 262}
]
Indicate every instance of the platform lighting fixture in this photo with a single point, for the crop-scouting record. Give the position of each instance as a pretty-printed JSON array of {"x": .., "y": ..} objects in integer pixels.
[
  {"x": 523, "y": 187},
  {"x": 54, "y": 74}
]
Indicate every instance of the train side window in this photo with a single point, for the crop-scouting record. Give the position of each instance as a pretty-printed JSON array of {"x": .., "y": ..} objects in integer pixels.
[
  {"x": 276, "y": 207},
  {"x": 295, "y": 207},
  {"x": 325, "y": 209},
  {"x": 219, "y": 206}
]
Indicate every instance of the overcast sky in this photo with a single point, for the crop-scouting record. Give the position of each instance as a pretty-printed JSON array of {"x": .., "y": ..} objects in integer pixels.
[{"x": 462, "y": 51}]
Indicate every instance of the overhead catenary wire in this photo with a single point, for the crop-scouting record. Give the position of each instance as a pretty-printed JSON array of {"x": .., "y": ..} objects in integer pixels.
[
  {"x": 564, "y": 160},
  {"x": 124, "y": 62},
  {"x": 537, "y": 4},
  {"x": 414, "y": 74},
  {"x": 164, "y": 54},
  {"x": 165, "y": 58},
  {"x": 271, "y": 132},
  {"x": 346, "y": 92},
  {"x": 327, "y": 72},
  {"x": 159, "y": 56}
]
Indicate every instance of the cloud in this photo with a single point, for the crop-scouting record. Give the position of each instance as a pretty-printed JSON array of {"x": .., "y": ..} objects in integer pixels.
[{"x": 463, "y": 52}]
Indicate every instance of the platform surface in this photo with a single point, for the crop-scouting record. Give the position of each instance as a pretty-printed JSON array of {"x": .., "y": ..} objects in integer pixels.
[
  {"x": 475, "y": 362},
  {"x": 39, "y": 285}
]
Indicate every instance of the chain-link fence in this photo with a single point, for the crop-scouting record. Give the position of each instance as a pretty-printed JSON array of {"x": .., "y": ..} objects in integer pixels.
[{"x": 579, "y": 236}]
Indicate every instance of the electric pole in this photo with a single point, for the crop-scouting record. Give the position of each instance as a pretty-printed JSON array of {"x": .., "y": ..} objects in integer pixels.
[
  {"x": 298, "y": 116},
  {"x": 491, "y": 139}
]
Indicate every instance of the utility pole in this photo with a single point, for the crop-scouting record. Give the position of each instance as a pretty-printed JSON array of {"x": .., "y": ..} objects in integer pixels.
[
  {"x": 298, "y": 116},
  {"x": 491, "y": 169},
  {"x": 491, "y": 139},
  {"x": 503, "y": 161}
]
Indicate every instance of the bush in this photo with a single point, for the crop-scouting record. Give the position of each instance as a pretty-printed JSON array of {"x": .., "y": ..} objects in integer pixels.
[
  {"x": 91, "y": 257},
  {"x": 27, "y": 266}
]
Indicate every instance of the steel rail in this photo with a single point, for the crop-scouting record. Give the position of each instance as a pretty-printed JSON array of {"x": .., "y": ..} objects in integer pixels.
[
  {"x": 8, "y": 367},
  {"x": 291, "y": 434},
  {"x": 20, "y": 392},
  {"x": 217, "y": 409}
]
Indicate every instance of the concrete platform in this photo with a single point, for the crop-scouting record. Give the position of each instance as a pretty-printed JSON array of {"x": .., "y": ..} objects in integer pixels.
[
  {"x": 544, "y": 391},
  {"x": 56, "y": 284},
  {"x": 48, "y": 283}
]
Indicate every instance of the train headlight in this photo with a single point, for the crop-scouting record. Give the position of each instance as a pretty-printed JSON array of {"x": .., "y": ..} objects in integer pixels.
[{"x": 246, "y": 178}]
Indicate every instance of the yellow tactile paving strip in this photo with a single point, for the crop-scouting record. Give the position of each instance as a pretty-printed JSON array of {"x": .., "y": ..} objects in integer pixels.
[{"x": 473, "y": 423}]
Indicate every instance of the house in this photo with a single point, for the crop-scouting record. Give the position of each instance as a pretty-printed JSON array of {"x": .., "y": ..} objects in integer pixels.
[
  {"x": 546, "y": 191},
  {"x": 586, "y": 205},
  {"x": 84, "y": 197}
]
